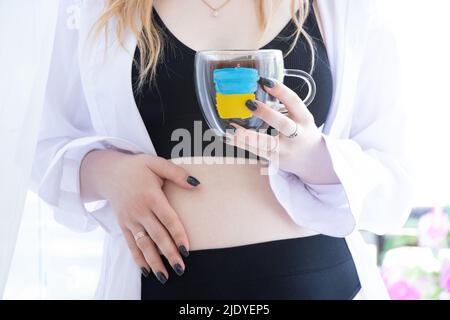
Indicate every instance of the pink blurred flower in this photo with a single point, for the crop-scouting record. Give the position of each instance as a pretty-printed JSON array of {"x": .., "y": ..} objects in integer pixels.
[
  {"x": 433, "y": 228},
  {"x": 402, "y": 290},
  {"x": 445, "y": 276}
]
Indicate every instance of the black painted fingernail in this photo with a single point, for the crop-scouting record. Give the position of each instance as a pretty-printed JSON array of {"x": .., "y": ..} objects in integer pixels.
[
  {"x": 161, "y": 277},
  {"x": 145, "y": 272},
  {"x": 178, "y": 269},
  {"x": 251, "y": 105},
  {"x": 183, "y": 251},
  {"x": 192, "y": 181},
  {"x": 266, "y": 82}
]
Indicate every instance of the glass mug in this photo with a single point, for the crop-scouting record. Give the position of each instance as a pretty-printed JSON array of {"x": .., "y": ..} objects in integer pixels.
[{"x": 225, "y": 80}]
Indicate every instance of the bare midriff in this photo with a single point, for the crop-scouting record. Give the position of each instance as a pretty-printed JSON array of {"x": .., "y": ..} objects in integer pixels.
[{"x": 234, "y": 205}]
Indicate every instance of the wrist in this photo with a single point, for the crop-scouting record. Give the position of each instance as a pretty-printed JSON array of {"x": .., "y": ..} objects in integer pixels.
[
  {"x": 97, "y": 173},
  {"x": 313, "y": 163}
]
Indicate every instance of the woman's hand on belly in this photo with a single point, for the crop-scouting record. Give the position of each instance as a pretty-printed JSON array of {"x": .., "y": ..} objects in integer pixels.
[{"x": 133, "y": 186}]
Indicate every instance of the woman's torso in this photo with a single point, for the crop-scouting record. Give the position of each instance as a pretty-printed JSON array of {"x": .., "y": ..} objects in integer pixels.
[{"x": 234, "y": 204}]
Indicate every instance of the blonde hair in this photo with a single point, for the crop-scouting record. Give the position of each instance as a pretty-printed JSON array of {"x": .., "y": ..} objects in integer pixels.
[{"x": 137, "y": 16}]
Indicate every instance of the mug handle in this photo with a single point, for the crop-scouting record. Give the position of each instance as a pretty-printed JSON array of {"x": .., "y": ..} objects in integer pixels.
[{"x": 309, "y": 81}]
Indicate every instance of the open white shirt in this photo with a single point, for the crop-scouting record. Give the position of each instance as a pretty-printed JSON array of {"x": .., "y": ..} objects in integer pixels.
[{"x": 90, "y": 105}]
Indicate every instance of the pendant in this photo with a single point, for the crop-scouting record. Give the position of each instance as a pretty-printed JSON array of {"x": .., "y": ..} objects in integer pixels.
[{"x": 216, "y": 13}]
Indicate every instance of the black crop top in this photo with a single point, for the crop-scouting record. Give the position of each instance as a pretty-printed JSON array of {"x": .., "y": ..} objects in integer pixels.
[{"x": 170, "y": 102}]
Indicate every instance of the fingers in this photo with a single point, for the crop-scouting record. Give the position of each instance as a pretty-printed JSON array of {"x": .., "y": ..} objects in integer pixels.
[
  {"x": 169, "y": 218},
  {"x": 136, "y": 252},
  {"x": 152, "y": 256},
  {"x": 261, "y": 144},
  {"x": 170, "y": 171},
  {"x": 295, "y": 106},
  {"x": 282, "y": 123},
  {"x": 150, "y": 252},
  {"x": 150, "y": 225},
  {"x": 145, "y": 247},
  {"x": 164, "y": 242}
]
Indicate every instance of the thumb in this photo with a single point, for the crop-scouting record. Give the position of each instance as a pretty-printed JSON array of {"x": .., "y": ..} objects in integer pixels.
[{"x": 165, "y": 169}]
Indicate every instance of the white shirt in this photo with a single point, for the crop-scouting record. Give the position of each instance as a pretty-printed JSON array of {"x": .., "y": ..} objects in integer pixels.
[{"x": 90, "y": 105}]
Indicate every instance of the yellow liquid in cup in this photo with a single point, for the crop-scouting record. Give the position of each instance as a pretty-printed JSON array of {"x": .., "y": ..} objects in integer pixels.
[{"x": 231, "y": 106}]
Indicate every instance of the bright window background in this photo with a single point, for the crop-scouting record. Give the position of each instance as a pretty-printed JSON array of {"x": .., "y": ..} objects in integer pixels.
[
  {"x": 53, "y": 263},
  {"x": 50, "y": 261},
  {"x": 425, "y": 50}
]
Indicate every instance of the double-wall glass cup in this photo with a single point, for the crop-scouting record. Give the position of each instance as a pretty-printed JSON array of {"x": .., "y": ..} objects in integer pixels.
[{"x": 225, "y": 80}]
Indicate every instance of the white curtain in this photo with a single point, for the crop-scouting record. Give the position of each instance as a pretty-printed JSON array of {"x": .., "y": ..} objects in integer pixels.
[{"x": 26, "y": 39}]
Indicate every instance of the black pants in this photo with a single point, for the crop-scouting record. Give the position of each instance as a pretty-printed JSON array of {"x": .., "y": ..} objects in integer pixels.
[{"x": 317, "y": 267}]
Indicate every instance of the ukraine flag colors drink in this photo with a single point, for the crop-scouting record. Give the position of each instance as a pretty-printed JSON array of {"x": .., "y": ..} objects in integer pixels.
[{"x": 234, "y": 86}]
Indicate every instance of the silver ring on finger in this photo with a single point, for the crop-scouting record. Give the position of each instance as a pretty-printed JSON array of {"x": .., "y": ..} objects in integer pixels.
[
  {"x": 295, "y": 133},
  {"x": 140, "y": 235}
]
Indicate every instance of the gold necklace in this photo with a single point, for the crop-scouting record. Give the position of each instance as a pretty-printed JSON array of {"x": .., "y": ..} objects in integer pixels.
[{"x": 215, "y": 10}]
